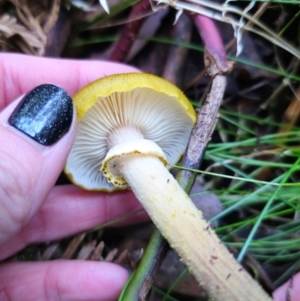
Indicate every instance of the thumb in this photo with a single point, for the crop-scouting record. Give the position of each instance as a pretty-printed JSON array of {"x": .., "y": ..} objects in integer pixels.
[{"x": 36, "y": 134}]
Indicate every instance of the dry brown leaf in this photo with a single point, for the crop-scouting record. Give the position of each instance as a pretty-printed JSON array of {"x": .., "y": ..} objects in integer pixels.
[
  {"x": 291, "y": 114},
  {"x": 52, "y": 17},
  {"x": 73, "y": 245},
  {"x": 87, "y": 250},
  {"x": 31, "y": 23},
  {"x": 111, "y": 255},
  {"x": 9, "y": 27},
  {"x": 97, "y": 255},
  {"x": 51, "y": 249}
]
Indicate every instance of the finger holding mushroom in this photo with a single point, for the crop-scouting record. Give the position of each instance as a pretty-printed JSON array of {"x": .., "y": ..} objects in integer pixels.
[{"x": 131, "y": 126}]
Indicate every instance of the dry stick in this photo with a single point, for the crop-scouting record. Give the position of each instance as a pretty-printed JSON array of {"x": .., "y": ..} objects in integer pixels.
[
  {"x": 130, "y": 31},
  {"x": 201, "y": 134}
]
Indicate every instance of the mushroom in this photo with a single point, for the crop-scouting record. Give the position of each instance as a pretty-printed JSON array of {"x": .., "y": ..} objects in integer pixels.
[{"x": 131, "y": 126}]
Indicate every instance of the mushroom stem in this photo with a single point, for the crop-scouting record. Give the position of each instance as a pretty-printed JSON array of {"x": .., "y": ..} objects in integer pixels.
[{"x": 183, "y": 225}]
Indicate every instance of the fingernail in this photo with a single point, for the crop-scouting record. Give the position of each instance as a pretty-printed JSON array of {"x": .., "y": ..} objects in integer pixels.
[{"x": 45, "y": 114}]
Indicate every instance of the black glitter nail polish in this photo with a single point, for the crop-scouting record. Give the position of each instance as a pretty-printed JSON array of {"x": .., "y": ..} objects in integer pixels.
[{"x": 45, "y": 114}]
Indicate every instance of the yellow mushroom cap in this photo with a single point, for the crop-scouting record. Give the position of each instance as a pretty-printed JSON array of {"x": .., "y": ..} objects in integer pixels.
[{"x": 153, "y": 107}]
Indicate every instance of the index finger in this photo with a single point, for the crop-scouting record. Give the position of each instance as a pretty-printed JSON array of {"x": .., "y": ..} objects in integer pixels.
[{"x": 20, "y": 73}]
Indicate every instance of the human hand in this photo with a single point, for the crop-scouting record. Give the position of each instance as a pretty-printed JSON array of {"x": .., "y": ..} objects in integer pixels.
[
  {"x": 32, "y": 209},
  {"x": 289, "y": 291}
]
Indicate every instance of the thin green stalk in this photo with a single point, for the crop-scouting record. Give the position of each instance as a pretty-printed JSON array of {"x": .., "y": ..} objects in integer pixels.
[
  {"x": 137, "y": 286},
  {"x": 245, "y": 199},
  {"x": 182, "y": 274},
  {"x": 287, "y": 274},
  {"x": 265, "y": 210}
]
